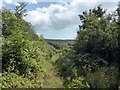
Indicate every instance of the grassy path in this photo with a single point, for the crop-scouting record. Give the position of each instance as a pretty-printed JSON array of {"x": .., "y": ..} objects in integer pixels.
[{"x": 50, "y": 77}]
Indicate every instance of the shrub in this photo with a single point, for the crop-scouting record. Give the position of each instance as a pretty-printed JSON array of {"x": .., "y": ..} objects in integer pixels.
[
  {"x": 105, "y": 77},
  {"x": 78, "y": 82}
]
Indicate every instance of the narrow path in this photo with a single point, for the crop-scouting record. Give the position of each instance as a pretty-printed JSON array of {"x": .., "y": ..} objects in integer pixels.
[{"x": 50, "y": 77}]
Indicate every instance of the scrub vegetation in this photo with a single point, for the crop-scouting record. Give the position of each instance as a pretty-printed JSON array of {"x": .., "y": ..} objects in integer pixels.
[{"x": 91, "y": 61}]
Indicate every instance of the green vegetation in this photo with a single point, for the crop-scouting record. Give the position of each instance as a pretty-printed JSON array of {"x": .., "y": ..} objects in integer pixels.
[
  {"x": 24, "y": 54},
  {"x": 95, "y": 55},
  {"x": 93, "y": 61}
]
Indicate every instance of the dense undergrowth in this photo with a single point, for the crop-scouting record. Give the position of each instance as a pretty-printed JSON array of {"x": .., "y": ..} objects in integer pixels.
[
  {"x": 24, "y": 53},
  {"x": 93, "y": 61}
]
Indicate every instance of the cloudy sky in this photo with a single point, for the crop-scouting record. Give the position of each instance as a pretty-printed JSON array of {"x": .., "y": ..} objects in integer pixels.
[{"x": 57, "y": 19}]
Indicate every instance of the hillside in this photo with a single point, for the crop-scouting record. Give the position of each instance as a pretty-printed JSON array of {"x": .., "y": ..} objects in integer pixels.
[
  {"x": 60, "y": 40},
  {"x": 59, "y": 43},
  {"x": 27, "y": 60}
]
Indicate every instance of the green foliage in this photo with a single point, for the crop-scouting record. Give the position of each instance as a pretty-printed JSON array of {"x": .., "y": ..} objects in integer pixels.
[
  {"x": 66, "y": 67},
  {"x": 20, "y": 10},
  {"x": 12, "y": 80},
  {"x": 96, "y": 50},
  {"x": 51, "y": 78},
  {"x": 25, "y": 58},
  {"x": 79, "y": 82},
  {"x": 86, "y": 17},
  {"x": 105, "y": 77},
  {"x": 88, "y": 61},
  {"x": 98, "y": 37},
  {"x": 12, "y": 25},
  {"x": 21, "y": 57},
  {"x": 23, "y": 53},
  {"x": 28, "y": 61}
]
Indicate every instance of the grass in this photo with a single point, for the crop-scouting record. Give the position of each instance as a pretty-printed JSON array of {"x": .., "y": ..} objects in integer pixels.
[{"x": 50, "y": 77}]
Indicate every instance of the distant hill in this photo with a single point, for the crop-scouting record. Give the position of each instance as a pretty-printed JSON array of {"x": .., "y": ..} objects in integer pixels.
[
  {"x": 60, "y": 40},
  {"x": 59, "y": 43}
]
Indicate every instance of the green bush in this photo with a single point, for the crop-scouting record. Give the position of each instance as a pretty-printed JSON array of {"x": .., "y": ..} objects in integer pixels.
[
  {"x": 105, "y": 77},
  {"x": 79, "y": 82},
  {"x": 65, "y": 67},
  {"x": 12, "y": 80},
  {"x": 89, "y": 61},
  {"x": 23, "y": 53}
]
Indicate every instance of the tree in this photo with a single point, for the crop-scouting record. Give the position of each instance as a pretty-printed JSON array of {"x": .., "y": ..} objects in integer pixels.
[
  {"x": 98, "y": 35},
  {"x": 118, "y": 12},
  {"x": 118, "y": 23},
  {"x": 23, "y": 52},
  {"x": 85, "y": 17},
  {"x": 20, "y": 10}
]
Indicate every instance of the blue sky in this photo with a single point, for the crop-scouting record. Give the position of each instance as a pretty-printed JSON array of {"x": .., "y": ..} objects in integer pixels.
[{"x": 58, "y": 20}]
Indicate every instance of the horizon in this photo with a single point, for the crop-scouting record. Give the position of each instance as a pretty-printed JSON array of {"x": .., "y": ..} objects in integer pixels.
[{"x": 59, "y": 39}]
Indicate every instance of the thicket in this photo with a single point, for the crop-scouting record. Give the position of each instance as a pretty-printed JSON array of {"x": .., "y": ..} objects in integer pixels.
[
  {"x": 95, "y": 56},
  {"x": 24, "y": 53}
]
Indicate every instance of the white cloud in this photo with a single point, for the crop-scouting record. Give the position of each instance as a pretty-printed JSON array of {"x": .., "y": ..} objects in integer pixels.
[
  {"x": 14, "y": 1},
  {"x": 0, "y": 5},
  {"x": 17, "y": 4},
  {"x": 108, "y": 0},
  {"x": 35, "y": 1},
  {"x": 54, "y": 17},
  {"x": 8, "y": 1},
  {"x": 58, "y": 16},
  {"x": 31, "y": 1}
]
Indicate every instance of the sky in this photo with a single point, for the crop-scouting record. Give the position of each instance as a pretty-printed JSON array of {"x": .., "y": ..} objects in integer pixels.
[{"x": 57, "y": 19}]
